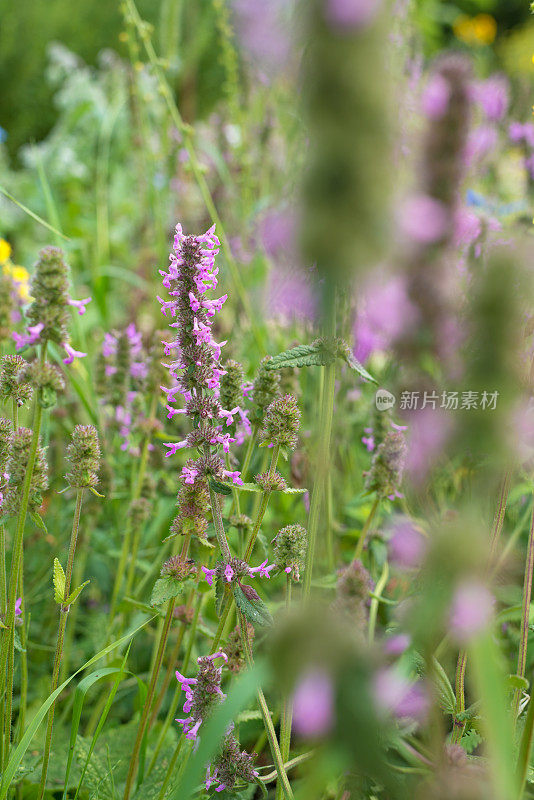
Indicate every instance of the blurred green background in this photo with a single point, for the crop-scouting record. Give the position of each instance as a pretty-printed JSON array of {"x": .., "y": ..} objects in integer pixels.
[{"x": 188, "y": 27}]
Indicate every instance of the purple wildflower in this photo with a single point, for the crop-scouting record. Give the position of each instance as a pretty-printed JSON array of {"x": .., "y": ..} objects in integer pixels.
[
  {"x": 471, "y": 610},
  {"x": 313, "y": 704},
  {"x": 435, "y": 98},
  {"x": 406, "y": 545},
  {"x": 397, "y": 695},
  {"x": 347, "y": 15},
  {"x": 71, "y": 353},
  {"x": 492, "y": 97},
  {"x": 423, "y": 219}
]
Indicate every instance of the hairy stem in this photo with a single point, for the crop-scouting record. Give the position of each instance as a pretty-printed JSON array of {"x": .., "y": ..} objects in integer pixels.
[
  {"x": 263, "y": 505},
  {"x": 63, "y": 614},
  {"x": 365, "y": 530},
  {"x": 523, "y": 638},
  {"x": 287, "y": 711}
]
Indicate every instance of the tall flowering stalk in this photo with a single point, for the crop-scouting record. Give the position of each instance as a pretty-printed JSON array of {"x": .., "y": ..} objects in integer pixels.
[{"x": 84, "y": 456}]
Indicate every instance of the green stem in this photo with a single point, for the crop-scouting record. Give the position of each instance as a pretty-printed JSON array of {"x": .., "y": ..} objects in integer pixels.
[
  {"x": 21, "y": 722},
  {"x": 267, "y": 721},
  {"x": 7, "y": 657},
  {"x": 525, "y": 747},
  {"x": 132, "y": 770},
  {"x": 253, "y": 438},
  {"x": 365, "y": 530},
  {"x": 63, "y": 614},
  {"x": 523, "y": 638},
  {"x": 263, "y": 505},
  {"x": 322, "y": 469},
  {"x": 373, "y": 611},
  {"x": 170, "y": 768},
  {"x": 287, "y": 710}
]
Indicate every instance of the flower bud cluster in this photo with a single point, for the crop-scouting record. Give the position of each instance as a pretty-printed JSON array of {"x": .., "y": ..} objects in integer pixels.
[
  {"x": 281, "y": 422},
  {"x": 49, "y": 311},
  {"x": 290, "y": 548},
  {"x": 352, "y": 593},
  {"x": 5, "y": 448},
  {"x": 47, "y": 380},
  {"x": 179, "y": 568},
  {"x": 265, "y": 388},
  {"x": 84, "y": 456},
  {"x": 234, "y": 648},
  {"x": 271, "y": 483},
  {"x": 17, "y": 466},
  {"x": 14, "y": 384},
  {"x": 385, "y": 474}
]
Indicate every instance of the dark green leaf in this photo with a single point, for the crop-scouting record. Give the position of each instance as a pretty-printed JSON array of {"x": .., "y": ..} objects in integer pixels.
[
  {"x": 254, "y": 610},
  {"x": 164, "y": 589},
  {"x": 220, "y": 488}
]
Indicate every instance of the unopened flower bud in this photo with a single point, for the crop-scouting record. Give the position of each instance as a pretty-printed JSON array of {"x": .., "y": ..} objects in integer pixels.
[
  {"x": 17, "y": 467},
  {"x": 265, "y": 388},
  {"x": 179, "y": 568},
  {"x": 271, "y": 483},
  {"x": 47, "y": 380},
  {"x": 353, "y": 586},
  {"x": 50, "y": 292},
  {"x": 290, "y": 548},
  {"x": 387, "y": 466},
  {"x": 281, "y": 422},
  {"x": 13, "y": 380},
  {"x": 84, "y": 456}
]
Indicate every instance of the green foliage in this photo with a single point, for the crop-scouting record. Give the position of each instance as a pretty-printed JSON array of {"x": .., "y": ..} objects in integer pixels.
[{"x": 253, "y": 608}]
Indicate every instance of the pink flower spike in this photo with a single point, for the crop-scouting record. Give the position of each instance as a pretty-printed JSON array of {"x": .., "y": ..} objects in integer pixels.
[
  {"x": 79, "y": 304},
  {"x": 228, "y": 573},
  {"x": 210, "y": 574},
  {"x": 71, "y": 353},
  {"x": 234, "y": 476}
]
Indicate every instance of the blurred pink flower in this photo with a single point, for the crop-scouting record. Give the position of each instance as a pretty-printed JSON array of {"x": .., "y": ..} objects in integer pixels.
[
  {"x": 349, "y": 14},
  {"x": 263, "y": 31},
  {"x": 492, "y": 96},
  {"x": 422, "y": 219},
  {"x": 396, "y": 695},
  {"x": 471, "y": 610},
  {"x": 278, "y": 231},
  {"x": 467, "y": 227},
  {"x": 521, "y": 132},
  {"x": 290, "y": 294},
  {"x": 429, "y": 431},
  {"x": 397, "y": 644},
  {"x": 313, "y": 704},
  {"x": 384, "y": 313},
  {"x": 435, "y": 97},
  {"x": 480, "y": 142},
  {"x": 406, "y": 545}
]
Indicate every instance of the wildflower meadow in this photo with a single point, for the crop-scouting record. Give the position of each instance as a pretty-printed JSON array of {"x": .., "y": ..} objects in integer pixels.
[{"x": 266, "y": 400}]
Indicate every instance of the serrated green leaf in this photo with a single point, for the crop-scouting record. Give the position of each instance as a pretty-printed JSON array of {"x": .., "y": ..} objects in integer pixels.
[
  {"x": 38, "y": 521},
  {"x": 254, "y": 610},
  {"x": 447, "y": 698},
  {"x": 304, "y": 355},
  {"x": 517, "y": 682},
  {"x": 59, "y": 582},
  {"x": 166, "y": 588},
  {"x": 470, "y": 741},
  {"x": 73, "y": 596},
  {"x": 219, "y": 487},
  {"x": 347, "y": 356}
]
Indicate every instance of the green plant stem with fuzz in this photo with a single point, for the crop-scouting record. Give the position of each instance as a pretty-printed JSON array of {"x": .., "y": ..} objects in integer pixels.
[
  {"x": 7, "y": 656},
  {"x": 461, "y": 666},
  {"x": 269, "y": 727},
  {"x": 132, "y": 770},
  {"x": 253, "y": 438},
  {"x": 263, "y": 505},
  {"x": 323, "y": 465},
  {"x": 523, "y": 637},
  {"x": 365, "y": 530},
  {"x": 63, "y": 615},
  {"x": 287, "y": 710}
]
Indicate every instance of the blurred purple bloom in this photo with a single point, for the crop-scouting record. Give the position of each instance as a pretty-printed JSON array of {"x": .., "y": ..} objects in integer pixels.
[
  {"x": 313, "y": 704},
  {"x": 521, "y": 132},
  {"x": 492, "y": 96},
  {"x": 343, "y": 14},
  {"x": 397, "y": 644},
  {"x": 435, "y": 97},
  {"x": 396, "y": 695},
  {"x": 290, "y": 294},
  {"x": 429, "y": 431},
  {"x": 422, "y": 219},
  {"x": 278, "y": 233},
  {"x": 406, "y": 545},
  {"x": 471, "y": 610},
  {"x": 263, "y": 31},
  {"x": 385, "y": 312},
  {"x": 480, "y": 142},
  {"x": 467, "y": 227}
]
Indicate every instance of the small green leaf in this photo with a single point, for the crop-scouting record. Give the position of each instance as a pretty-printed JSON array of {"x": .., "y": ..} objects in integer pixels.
[
  {"x": 304, "y": 355},
  {"x": 254, "y": 609},
  {"x": 59, "y": 583},
  {"x": 38, "y": 521},
  {"x": 166, "y": 588},
  {"x": 347, "y": 356},
  {"x": 517, "y": 682},
  {"x": 73, "y": 596},
  {"x": 47, "y": 397},
  {"x": 219, "y": 487},
  {"x": 97, "y": 494}
]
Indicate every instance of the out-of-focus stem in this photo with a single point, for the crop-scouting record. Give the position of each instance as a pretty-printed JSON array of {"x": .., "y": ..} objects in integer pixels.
[
  {"x": 523, "y": 637},
  {"x": 263, "y": 505},
  {"x": 267, "y": 721},
  {"x": 287, "y": 710},
  {"x": 365, "y": 530}
]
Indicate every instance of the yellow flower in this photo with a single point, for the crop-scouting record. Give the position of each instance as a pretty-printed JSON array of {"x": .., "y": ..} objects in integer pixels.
[
  {"x": 5, "y": 250},
  {"x": 21, "y": 277},
  {"x": 481, "y": 29}
]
